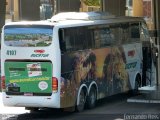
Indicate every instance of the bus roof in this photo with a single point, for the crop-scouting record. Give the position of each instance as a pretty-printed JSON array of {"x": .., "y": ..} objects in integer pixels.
[
  {"x": 80, "y": 19},
  {"x": 87, "y": 16},
  {"x": 44, "y": 22},
  {"x": 81, "y": 16}
]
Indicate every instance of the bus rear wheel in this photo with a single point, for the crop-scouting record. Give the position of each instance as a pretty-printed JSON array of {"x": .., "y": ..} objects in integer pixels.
[
  {"x": 82, "y": 101},
  {"x": 32, "y": 110},
  {"x": 92, "y": 97}
]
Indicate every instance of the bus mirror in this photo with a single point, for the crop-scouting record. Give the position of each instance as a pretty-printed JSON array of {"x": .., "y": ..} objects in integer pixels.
[{"x": 154, "y": 54}]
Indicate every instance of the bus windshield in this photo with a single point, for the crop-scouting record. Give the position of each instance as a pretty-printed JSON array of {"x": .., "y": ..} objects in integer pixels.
[{"x": 28, "y": 36}]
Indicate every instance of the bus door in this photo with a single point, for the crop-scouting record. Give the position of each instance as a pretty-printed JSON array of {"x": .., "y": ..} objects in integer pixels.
[
  {"x": 147, "y": 56},
  {"x": 146, "y": 65}
]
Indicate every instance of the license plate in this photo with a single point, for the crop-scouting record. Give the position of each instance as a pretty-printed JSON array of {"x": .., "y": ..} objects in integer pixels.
[
  {"x": 13, "y": 89},
  {"x": 28, "y": 94}
]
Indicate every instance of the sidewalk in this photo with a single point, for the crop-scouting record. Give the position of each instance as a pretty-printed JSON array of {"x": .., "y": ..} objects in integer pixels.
[{"x": 11, "y": 110}]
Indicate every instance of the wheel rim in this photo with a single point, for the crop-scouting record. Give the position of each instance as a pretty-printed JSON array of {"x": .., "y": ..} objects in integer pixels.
[
  {"x": 93, "y": 96},
  {"x": 82, "y": 100},
  {"x": 136, "y": 85}
]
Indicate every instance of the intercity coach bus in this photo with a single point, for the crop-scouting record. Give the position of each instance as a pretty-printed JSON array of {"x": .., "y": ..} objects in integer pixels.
[{"x": 72, "y": 59}]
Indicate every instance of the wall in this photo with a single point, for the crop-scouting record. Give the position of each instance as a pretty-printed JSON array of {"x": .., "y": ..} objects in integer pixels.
[
  {"x": 116, "y": 7},
  {"x": 68, "y": 5},
  {"x": 29, "y": 9},
  {"x": 156, "y": 12},
  {"x": 2, "y": 13},
  {"x": 138, "y": 8},
  {"x": 16, "y": 10}
]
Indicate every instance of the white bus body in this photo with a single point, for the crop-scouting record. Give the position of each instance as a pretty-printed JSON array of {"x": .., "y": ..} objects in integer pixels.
[{"x": 70, "y": 61}]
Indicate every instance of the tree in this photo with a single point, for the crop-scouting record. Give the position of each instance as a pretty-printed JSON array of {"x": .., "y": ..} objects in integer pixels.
[
  {"x": 2, "y": 13},
  {"x": 92, "y": 2}
]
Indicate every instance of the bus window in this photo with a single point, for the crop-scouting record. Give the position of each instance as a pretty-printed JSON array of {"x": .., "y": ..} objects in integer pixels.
[
  {"x": 62, "y": 41},
  {"x": 78, "y": 38},
  {"x": 80, "y": 41},
  {"x": 88, "y": 41},
  {"x": 28, "y": 36},
  {"x": 115, "y": 35},
  {"x": 97, "y": 38},
  {"x": 69, "y": 39},
  {"x": 135, "y": 32},
  {"x": 124, "y": 31},
  {"x": 144, "y": 34},
  {"x": 84, "y": 39},
  {"x": 103, "y": 37}
]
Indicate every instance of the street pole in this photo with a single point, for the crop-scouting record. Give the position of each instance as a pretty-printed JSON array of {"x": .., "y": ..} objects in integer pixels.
[
  {"x": 157, "y": 30},
  {"x": 55, "y": 7},
  {"x": 2, "y": 13}
]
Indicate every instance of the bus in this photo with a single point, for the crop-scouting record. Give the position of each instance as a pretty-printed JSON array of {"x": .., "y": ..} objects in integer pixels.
[{"x": 73, "y": 59}]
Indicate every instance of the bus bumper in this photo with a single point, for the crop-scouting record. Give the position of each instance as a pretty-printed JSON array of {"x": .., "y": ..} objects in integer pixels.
[{"x": 31, "y": 101}]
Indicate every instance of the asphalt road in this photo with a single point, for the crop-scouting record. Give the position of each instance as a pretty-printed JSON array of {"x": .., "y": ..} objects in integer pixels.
[{"x": 111, "y": 108}]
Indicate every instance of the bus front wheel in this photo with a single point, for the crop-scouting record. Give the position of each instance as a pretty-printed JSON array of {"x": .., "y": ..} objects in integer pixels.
[
  {"x": 137, "y": 85},
  {"x": 32, "y": 110}
]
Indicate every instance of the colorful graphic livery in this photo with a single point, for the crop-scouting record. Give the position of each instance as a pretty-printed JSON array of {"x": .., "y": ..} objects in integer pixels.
[
  {"x": 28, "y": 77},
  {"x": 70, "y": 61}
]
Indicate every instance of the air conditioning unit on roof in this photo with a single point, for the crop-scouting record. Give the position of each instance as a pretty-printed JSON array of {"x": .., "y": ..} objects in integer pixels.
[{"x": 81, "y": 16}]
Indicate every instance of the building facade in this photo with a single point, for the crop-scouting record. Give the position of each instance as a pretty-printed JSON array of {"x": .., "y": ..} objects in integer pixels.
[{"x": 17, "y": 10}]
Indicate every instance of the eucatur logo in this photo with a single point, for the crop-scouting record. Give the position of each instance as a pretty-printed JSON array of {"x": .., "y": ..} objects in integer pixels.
[
  {"x": 131, "y": 53},
  {"x": 39, "y": 53}
]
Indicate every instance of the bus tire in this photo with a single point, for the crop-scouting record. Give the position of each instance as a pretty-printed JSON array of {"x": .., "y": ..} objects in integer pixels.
[
  {"x": 32, "y": 110},
  {"x": 82, "y": 101},
  {"x": 91, "y": 98},
  {"x": 137, "y": 85}
]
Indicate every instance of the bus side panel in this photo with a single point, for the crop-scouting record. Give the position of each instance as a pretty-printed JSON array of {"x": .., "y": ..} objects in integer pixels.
[
  {"x": 115, "y": 78},
  {"x": 77, "y": 68},
  {"x": 120, "y": 75},
  {"x": 105, "y": 66},
  {"x": 133, "y": 53},
  {"x": 68, "y": 88}
]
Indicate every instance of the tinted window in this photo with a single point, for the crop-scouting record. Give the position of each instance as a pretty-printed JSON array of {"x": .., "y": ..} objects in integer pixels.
[
  {"x": 125, "y": 32},
  {"x": 103, "y": 37},
  {"x": 144, "y": 32},
  {"x": 135, "y": 32},
  {"x": 28, "y": 36},
  {"x": 77, "y": 38}
]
